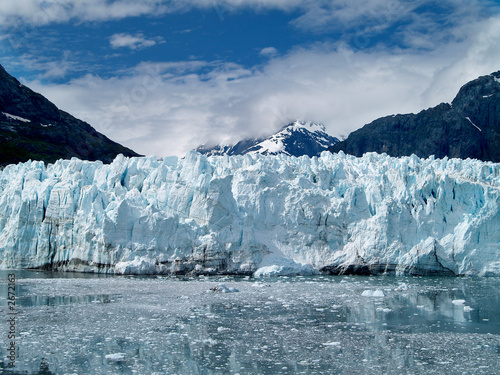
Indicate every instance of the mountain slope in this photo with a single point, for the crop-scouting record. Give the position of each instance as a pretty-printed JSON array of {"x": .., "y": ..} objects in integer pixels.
[
  {"x": 468, "y": 128},
  {"x": 295, "y": 139},
  {"x": 31, "y": 127}
]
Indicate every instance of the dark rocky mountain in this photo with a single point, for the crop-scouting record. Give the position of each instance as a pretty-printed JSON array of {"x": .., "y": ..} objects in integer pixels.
[
  {"x": 31, "y": 127},
  {"x": 295, "y": 139},
  {"x": 468, "y": 128}
]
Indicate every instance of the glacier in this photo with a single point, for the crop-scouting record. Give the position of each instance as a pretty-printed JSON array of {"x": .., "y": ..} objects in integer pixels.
[{"x": 253, "y": 215}]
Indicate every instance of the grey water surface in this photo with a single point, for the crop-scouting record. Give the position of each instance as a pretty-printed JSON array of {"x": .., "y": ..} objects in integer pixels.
[{"x": 88, "y": 324}]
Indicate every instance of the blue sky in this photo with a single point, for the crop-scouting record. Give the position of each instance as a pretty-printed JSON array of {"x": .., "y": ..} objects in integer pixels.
[{"x": 162, "y": 77}]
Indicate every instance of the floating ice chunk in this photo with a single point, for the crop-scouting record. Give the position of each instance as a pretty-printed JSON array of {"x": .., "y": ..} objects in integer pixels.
[
  {"x": 373, "y": 293},
  {"x": 275, "y": 265},
  {"x": 139, "y": 266},
  {"x": 385, "y": 310},
  {"x": 458, "y": 301},
  {"x": 210, "y": 342},
  {"x": 332, "y": 343},
  {"x": 115, "y": 357},
  {"x": 222, "y": 288},
  {"x": 402, "y": 287}
]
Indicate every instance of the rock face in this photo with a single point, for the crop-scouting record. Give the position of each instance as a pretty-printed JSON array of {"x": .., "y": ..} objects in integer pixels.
[
  {"x": 253, "y": 214},
  {"x": 295, "y": 139},
  {"x": 31, "y": 127},
  {"x": 468, "y": 128}
]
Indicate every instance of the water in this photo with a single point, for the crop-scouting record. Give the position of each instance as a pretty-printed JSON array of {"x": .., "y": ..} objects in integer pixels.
[{"x": 84, "y": 324}]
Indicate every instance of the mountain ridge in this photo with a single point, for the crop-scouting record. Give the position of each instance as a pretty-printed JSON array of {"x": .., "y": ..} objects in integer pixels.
[
  {"x": 469, "y": 127},
  {"x": 295, "y": 139},
  {"x": 32, "y": 127}
]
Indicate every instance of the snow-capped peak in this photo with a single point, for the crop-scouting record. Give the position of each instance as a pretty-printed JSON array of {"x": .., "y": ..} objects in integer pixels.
[
  {"x": 308, "y": 125},
  {"x": 295, "y": 139}
]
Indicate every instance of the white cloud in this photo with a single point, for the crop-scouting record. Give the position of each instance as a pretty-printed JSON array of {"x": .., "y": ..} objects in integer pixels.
[
  {"x": 26, "y": 13},
  {"x": 416, "y": 24},
  {"x": 340, "y": 14},
  {"x": 51, "y": 68},
  {"x": 36, "y": 13},
  {"x": 269, "y": 51},
  {"x": 168, "y": 108},
  {"x": 131, "y": 41},
  {"x": 316, "y": 14}
]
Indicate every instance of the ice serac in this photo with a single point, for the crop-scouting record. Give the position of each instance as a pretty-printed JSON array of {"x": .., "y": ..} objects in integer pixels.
[{"x": 253, "y": 214}]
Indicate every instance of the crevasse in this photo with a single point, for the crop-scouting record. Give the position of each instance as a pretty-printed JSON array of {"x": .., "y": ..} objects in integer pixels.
[{"x": 252, "y": 214}]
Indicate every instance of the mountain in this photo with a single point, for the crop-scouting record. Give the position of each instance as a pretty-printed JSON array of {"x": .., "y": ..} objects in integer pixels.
[
  {"x": 469, "y": 127},
  {"x": 295, "y": 139},
  {"x": 264, "y": 215},
  {"x": 31, "y": 127}
]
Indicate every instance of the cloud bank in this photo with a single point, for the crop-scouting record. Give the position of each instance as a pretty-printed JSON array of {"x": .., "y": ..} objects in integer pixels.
[
  {"x": 133, "y": 42},
  {"x": 169, "y": 108},
  {"x": 390, "y": 56},
  {"x": 316, "y": 15}
]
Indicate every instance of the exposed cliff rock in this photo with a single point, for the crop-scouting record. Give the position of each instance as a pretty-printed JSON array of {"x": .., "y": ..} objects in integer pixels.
[
  {"x": 31, "y": 127},
  {"x": 468, "y": 128}
]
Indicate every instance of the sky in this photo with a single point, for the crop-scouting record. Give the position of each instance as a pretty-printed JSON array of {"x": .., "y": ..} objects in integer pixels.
[{"x": 165, "y": 76}]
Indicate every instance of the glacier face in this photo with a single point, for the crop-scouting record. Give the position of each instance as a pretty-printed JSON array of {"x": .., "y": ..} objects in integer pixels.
[{"x": 253, "y": 214}]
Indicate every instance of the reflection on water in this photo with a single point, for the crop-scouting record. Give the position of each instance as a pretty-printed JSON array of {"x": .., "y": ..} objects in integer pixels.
[
  {"x": 44, "y": 369},
  {"x": 28, "y": 301},
  {"x": 301, "y": 325}
]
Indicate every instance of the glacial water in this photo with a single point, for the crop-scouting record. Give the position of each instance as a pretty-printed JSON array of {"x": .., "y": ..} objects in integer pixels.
[{"x": 85, "y": 324}]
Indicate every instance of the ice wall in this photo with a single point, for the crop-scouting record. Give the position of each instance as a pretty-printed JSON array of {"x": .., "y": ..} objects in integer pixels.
[{"x": 244, "y": 214}]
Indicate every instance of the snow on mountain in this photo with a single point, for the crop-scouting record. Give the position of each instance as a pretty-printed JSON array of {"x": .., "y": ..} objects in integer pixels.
[
  {"x": 295, "y": 139},
  {"x": 267, "y": 215},
  {"x": 18, "y": 118}
]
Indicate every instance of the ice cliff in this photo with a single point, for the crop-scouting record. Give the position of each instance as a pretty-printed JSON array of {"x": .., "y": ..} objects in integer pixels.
[{"x": 253, "y": 214}]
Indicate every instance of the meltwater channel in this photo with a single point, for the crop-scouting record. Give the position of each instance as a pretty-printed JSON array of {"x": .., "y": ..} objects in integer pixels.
[{"x": 84, "y": 324}]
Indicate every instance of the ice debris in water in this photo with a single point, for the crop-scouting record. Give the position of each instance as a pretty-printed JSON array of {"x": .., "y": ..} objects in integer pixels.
[
  {"x": 222, "y": 288},
  {"x": 402, "y": 287},
  {"x": 373, "y": 293},
  {"x": 332, "y": 343},
  {"x": 458, "y": 301},
  {"x": 384, "y": 309},
  {"x": 278, "y": 265},
  {"x": 260, "y": 285},
  {"x": 115, "y": 357}
]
